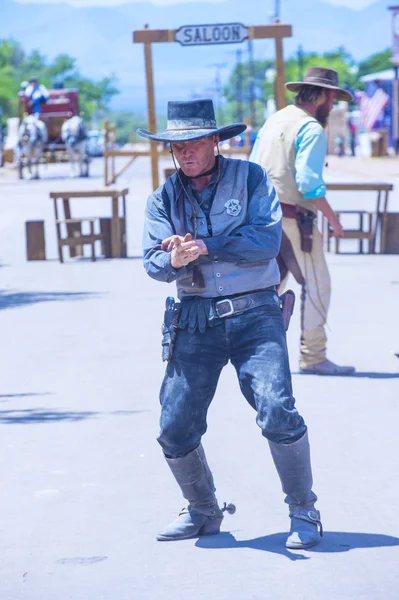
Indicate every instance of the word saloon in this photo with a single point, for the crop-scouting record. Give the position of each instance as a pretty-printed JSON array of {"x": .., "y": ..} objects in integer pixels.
[{"x": 222, "y": 33}]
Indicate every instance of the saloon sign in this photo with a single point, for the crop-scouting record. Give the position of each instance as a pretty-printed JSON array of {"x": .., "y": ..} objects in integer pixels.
[{"x": 221, "y": 33}]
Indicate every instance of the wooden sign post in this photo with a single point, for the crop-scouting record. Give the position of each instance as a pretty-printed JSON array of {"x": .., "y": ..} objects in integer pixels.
[{"x": 203, "y": 35}]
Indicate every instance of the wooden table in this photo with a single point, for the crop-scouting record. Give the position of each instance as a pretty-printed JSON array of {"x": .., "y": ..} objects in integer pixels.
[
  {"x": 118, "y": 231},
  {"x": 381, "y": 211}
]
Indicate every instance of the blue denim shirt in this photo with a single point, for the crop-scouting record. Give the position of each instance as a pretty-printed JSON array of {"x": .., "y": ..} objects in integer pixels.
[{"x": 251, "y": 239}]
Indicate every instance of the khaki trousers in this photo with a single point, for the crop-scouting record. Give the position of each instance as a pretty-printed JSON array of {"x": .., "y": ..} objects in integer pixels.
[{"x": 316, "y": 292}]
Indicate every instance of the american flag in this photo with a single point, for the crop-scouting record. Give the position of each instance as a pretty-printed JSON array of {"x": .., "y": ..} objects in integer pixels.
[{"x": 371, "y": 108}]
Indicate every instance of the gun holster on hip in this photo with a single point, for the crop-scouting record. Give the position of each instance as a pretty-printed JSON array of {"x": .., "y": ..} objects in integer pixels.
[
  {"x": 305, "y": 220},
  {"x": 169, "y": 328},
  {"x": 287, "y": 303}
]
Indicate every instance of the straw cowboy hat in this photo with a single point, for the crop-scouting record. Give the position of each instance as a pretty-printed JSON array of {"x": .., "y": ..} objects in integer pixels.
[
  {"x": 321, "y": 77},
  {"x": 192, "y": 120}
]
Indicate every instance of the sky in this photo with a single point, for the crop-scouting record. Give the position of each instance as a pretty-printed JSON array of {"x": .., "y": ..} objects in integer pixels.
[
  {"x": 102, "y": 42},
  {"x": 355, "y": 4}
]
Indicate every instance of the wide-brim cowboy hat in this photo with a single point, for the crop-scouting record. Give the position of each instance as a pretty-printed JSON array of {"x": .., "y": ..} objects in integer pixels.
[
  {"x": 321, "y": 77},
  {"x": 192, "y": 120}
]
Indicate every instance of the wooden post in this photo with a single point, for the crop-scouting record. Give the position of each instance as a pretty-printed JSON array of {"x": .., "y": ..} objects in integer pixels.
[
  {"x": 152, "y": 124},
  {"x": 35, "y": 243},
  {"x": 280, "y": 76},
  {"x": 113, "y": 146},
  {"x": 73, "y": 230},
  {"x": 105, "y": 230},
  {"x": 115, "y": 228},
  {"x": 105, "y": 153},
  {"x": 147, "y": 36}
]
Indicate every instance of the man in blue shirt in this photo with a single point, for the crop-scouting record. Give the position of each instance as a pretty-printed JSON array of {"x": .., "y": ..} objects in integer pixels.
[
  {"x": 215, "y": 229},
  {"x": 292, "y": 148},
  {"x": 37, "y": 94}
]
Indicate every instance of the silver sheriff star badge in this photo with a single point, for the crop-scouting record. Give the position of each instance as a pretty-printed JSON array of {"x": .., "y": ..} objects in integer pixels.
[{"x": 233, "y": 207}]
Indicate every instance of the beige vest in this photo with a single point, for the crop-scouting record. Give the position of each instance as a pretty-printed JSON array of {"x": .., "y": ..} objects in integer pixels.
[{"x": 277, "y": 152}]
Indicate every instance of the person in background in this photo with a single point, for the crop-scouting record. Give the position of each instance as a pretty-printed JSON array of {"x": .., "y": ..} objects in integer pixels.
[
  {"x": 292, "y": 148},
  {"x": 37, "y": 94},
  {"x": 352, "y": 135}
]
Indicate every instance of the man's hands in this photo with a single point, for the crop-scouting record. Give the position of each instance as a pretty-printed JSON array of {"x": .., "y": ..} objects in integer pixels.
[
  {"x": 183, "y": 249},
  {"x": 337, "y": 230},
  {"x": 323, "y": 206}
]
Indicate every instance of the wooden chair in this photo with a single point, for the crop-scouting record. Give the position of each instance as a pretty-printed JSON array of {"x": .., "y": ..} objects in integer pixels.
[
  {"x": 75, "y": 239},
  {"x": 111, "y": 231},
  {"x": 370, "y": 223},
  {"x": 360, "y": 233}
]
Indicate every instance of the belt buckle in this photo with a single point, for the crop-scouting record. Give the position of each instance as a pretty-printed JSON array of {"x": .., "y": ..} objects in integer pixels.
[{"x": 227, "y": 314}]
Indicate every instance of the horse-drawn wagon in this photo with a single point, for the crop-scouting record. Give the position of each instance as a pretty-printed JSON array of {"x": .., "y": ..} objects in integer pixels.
[{"x": 56, "y": 135}]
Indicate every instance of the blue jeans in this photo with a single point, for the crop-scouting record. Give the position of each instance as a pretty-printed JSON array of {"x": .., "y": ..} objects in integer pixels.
[{"x": 255, "y": 343}]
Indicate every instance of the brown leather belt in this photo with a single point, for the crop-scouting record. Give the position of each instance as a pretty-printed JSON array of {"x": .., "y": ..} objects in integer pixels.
[
  {"x": 290, "y": 211},
  {"x": 238, "y": 304}
]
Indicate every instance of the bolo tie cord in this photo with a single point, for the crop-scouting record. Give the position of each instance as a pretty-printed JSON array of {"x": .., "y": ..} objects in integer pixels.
[{"x": 197, "y": 279}]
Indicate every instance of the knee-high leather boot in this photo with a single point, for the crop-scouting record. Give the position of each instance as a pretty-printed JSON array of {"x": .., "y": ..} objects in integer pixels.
[
  {"x": 202, "y": 516},
  {"x": 292, "y": 462}
]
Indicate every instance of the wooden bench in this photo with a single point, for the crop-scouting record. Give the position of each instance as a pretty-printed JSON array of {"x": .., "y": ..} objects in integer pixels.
[
  {"x": 112, "y": 231},
  {"x": 375, "y": 220}
]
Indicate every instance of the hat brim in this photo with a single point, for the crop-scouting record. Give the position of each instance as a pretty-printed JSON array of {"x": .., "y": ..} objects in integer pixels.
[
  {"x": 187, "y": 135},
  {"x": 295, "y": 86}
]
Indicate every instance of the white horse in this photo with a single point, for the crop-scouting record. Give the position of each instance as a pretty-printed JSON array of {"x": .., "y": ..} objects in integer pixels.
[
  {"x": 74, "y": 136},
  {"x": 32, "y": 137}
]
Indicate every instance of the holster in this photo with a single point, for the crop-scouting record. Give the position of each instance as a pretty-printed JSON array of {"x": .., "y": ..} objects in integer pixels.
[
  {"x": 305, "y": 220},
  {"x": 287, "y": 303},
  {"x": 169, "y": 328}
]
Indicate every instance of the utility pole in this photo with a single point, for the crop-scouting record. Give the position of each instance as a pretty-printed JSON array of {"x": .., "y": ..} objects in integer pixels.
[
  {"x": 240, "y": 115},
  {"x": 251, "y": 67},
  {"x": 277, "y": 9},
  {"x": 395, "y": 84},
  {"x": 300, "y": 62},
  {"x": 218, "y": 89}
]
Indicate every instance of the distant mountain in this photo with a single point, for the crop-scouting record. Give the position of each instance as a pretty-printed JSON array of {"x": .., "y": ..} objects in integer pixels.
[{"x": 101, "y": 38}]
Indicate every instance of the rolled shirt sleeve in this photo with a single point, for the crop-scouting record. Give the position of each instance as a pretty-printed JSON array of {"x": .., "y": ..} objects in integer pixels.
[{"x": 311, "y": 150}]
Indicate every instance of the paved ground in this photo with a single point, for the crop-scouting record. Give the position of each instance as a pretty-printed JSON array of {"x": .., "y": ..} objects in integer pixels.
[{"x": 85, "y": 488}]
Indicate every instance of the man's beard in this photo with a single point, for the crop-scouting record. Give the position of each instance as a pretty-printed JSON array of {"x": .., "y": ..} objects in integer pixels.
[{"x": 322, "y": 114}]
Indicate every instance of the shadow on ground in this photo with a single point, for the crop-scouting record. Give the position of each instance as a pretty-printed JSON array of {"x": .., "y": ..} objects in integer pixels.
[
  {"x": 18, "y": 299},
  {"x": 44, "y": 415},
  {"x": 23, "y": 395},
  {"x": 332, "y": 541},
  {"x": 356, "y": 374}
]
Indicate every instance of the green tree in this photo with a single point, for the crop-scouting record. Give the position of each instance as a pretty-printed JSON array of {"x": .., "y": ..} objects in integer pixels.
[
  {"x": 340, "y": 60},
  {"x": 11, "y": 57},
  {"x": 63, "y": 66},
  {"x": 376, "y": 62},
  {"x": 16, "y": 66},
  {"x": 126, "y": 125}
]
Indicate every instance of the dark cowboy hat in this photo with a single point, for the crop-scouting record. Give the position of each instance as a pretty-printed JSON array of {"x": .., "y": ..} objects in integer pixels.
[
  {"x": 192, "y": 120},
  {"x": 320, "y": 77}
]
